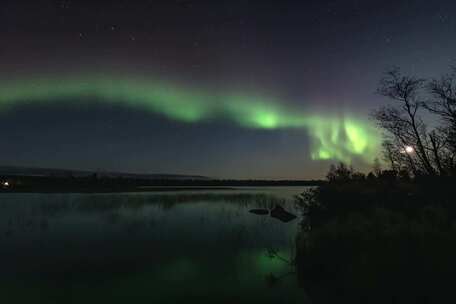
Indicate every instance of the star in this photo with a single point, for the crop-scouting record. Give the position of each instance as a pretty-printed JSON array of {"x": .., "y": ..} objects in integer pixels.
[
  {"x": 65, "y": 4},
  {"x": 443, "y": 18}
]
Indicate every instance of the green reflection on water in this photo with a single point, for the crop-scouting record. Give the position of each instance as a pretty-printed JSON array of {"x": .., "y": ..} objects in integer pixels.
[{"x": 114, "y": 248}]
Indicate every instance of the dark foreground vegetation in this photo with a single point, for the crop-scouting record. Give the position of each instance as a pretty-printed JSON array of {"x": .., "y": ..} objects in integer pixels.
[
  {"x": 379, "y": 239},
  {"x": 389, "y": 236}
]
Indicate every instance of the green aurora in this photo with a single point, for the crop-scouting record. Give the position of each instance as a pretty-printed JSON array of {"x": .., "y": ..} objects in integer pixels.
[{"x": 334, "y": 137}]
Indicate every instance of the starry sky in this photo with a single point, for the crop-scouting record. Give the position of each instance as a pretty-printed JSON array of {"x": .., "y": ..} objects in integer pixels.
[{"x": 228, "y": 89}]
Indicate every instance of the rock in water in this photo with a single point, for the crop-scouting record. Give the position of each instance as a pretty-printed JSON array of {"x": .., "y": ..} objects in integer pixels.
[
  {"x": 259, "y": 211},
  {"x": 281, "y": 214}
]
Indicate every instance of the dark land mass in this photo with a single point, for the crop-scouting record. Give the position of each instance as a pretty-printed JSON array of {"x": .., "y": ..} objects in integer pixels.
[
  {"x": 380, "y": 238},
  {"x": 37, "y": 180},
  {"x": 52, "y": 172}
]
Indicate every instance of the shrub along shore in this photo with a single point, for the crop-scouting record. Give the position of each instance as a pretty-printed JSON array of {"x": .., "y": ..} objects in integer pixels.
[{"x": 380, "y": 238}]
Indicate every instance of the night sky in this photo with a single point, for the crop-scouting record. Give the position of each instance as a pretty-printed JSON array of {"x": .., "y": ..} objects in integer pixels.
[{"x": 232, "y": 89}]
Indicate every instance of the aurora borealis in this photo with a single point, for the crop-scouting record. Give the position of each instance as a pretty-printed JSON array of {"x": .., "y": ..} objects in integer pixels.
[
  {"x": 334, "y": 138},
  {"x": 226, "y": 89}
]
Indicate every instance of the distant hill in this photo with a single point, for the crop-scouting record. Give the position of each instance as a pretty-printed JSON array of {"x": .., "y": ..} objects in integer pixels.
[{"x": 52, "y": 172}]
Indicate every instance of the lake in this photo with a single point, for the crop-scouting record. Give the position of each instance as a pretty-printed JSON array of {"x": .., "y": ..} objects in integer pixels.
[{"x": 151, "y": 247}]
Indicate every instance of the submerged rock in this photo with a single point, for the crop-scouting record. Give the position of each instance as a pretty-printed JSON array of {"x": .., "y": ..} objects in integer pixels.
[
  {"x": 259, "y": 211},
  {"x": 281, "y": 214}
]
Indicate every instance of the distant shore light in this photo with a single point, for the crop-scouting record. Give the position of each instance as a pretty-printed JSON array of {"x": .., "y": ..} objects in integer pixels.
[{"x": 6, "y": 184}]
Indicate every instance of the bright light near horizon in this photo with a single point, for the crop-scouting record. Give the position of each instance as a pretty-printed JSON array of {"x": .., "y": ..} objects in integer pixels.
[
  {"x": 6, "y": 184},
  {"x": 409, "y": 149}
]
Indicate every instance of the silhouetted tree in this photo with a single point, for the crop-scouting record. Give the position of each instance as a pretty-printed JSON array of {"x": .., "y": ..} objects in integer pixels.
[
  {"x": 443, "y": 104},
  {"x": 401, "y": 121},
  {"x": 340, "y": 173},
  {"x": 391, "y": 154},
  {"x": 377, "y": 167}
]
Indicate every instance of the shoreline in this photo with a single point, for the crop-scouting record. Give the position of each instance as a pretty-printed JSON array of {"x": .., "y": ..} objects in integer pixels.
[{"x": 137, "y": 189}]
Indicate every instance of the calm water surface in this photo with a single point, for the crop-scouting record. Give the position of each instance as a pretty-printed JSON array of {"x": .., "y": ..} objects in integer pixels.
[{"x": 200, "y": 246}]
